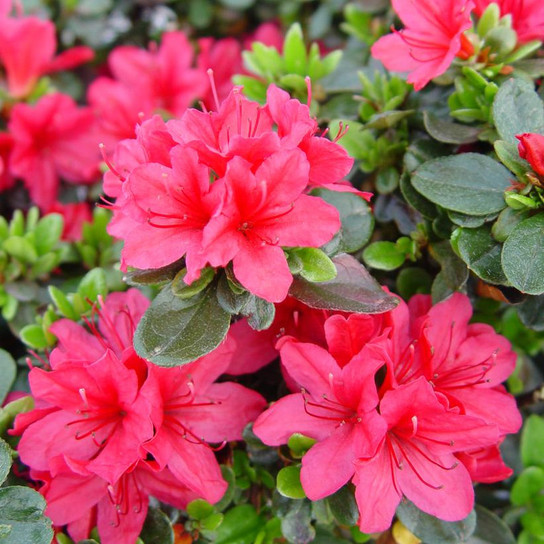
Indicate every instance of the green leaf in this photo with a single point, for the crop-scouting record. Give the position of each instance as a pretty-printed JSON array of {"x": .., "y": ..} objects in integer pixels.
[
  {"x": 481, "y": 253},
  {"x": 412, "y": 281},
  {"x": 300, "y": 444},
  {"x": 21, "y": 508},
  {"x": 387, "y": 119},
  {"x": 48, "y": 232},
  {"x": 20, "y": 248},
  {"x": 431, "y": 529},
  {"x": 10, "y": 411},
  {"x": 343, "y": 506},
  {"x": 200, "y": 509},
  {"x": 490, "y": 529},
  {"x": 316, "y": 265},
  {"x": 153, "y": 275},
  {"x": 454, "y": 271},
  {"x": 505, "y": 223},
  {"x": 288, "y": 482},
  {"x": 294, "y": 51},
  {"x": 182, "y": 290},
  {"x": 93, "y": 284},
  {"x": 240, "y": 526},
  {"x": 33, "y": 336},
  {"x": 531, "y": 312},
  {"x": 296, "y": 525},
  {"x": 517, "y": 108},
  {"x": 5, "y": 461},
  {"x": 469, "y": 221},
  {"x": 383, "y": 256},
  {"x": 238, "y": 4},
  {"x": 8, "y": 371},
  {"x": 448, "y": 132},
  {"x": 176, "y": 331},
  {"x": 468, "y": 183},
  {"x": 356, "y": 218},
  {"x": 423, "y": 205},
  {"x": 509, "y": 156},
  {"x": 260, "y": 313},
  {"x": 232, "y": 302},
  {"x": 528, "y": 484},
  {"x": 523, "y": 256},
  {"x": 532, "y": 441},
  {"x": 157, "y": 528},
  {"x": 62, "y": 303},
  {"x": 353, "y": 290}
]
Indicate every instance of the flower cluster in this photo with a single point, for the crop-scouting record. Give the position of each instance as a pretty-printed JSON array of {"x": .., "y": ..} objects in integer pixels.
[
  {"x": 227, "y": 186},
  {"x": 109, "y": 428},
  {"x": 435, "y": 34},
  {"x": 424, "y": 429}
]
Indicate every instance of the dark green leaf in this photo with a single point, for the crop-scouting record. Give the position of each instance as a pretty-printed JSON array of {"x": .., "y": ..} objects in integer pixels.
[
  {"x": 508, "y": 154},
  {"x": 383, "y": 256},
  {"x": 531, "y": 312},
  {"x": 353, "y": 290},
  {"x": 481, "y": 253},
  {"x": 296, "y": 525},
  {"x": 532, "y": 441},
  {"x": 412, "y": 281},
  {"x": 343, "y": 506},
  {"x": 157, "y": 528},
  {"x": 387, "y": 119},
  {"x": 523, "y": 256},
  {"x": 260, "y": 313},
  {"x": 153, "y": 275},
  {"x": 448, "y": 132},
  {"x": 454, "y": 270},
  {"x": 468, "y": 183},
  {"x": 175, "y": 331},
  {"x": 490, "y": 529},
  {"x": 415, "y": 199},
  {"x": 182, "y": 290},
  {"x": 469, "y": 221},
  {"x": 5, "y": 461},
  {"x": 433, "y": 530},
  {"x": 21, "y": 508},
  {"x": 506, "y": 222},
  {"x": 356, "y": 217},
  {"x": 8, "y": 371},
  {"x": 240, "y": 526},
  {"x": 230, "y": 301},
  {"x": 288, "y": 482},
  {"x": 230, "y": 478},
  {"x": 517, "y": 108}
]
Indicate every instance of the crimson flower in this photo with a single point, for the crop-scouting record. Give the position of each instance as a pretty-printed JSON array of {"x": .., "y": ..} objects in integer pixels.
[
  {"x": 52, "y": 139},
  {"x": 262, "y": 213},
  {"x": 531, "y": 148},
  {"x": 432, "y": 37},
  {"x": 27, "y": 52}
]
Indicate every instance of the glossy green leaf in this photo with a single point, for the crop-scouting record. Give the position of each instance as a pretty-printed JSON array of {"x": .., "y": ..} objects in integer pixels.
[
  {"x": 182, "y": 290},
  {"x": 383, "y": 255},
  {"x": 200, "y": 509},
  {"x": 412, "y": 281},
  {"x": 490, "y": 529},
  {"x": 468, "y": 183},
  {"x": 33, "y": 336},
  {"x": 153, "y": 275},
  {"x": 21, "y": 509},
  {"x": 288, "y": 482},
  {"x": 48, "y": 232},
  {"x": 532, "y": 441},
  {"x": 481, "y": 253},
  {"x": 517, "y": 108},
  {"x": 8, "y": 371},
  {"x": 431, "y": 529},
  {"x": 230, "y": 301},
  {"x": 300, "y": 444},
  {"x": 20, "y": 248},
  {"x": 316, "y": 265},
  {"x": 353, "y": 290},
  {"x": 356, "y": 218},
  {"x": 523, "y": 256},
  {"x": 294, "y": 51},
  {"x": 343, "y": 506},
  {"x": 240, "y": 526},
  {"x": 5, "y": 461},
  {"x": 449, "y": 132},
  {"x": 176, "y": 331},
  {"x": 157, "y": 528},
  {"x": 94, "y": 283}
]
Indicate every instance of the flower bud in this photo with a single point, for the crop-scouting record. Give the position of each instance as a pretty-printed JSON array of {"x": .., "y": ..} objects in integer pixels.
[{"x": 531, "y": 148}]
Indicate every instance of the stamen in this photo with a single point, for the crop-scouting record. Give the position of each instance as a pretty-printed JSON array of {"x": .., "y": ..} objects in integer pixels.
[
  {"x": 209, "y": 71},
  {"x": 112, "y": 168},
  {"x": 83, "y": 395},
  {"x": 308, "y": 82},
  {"x": 419, "y": 477}
]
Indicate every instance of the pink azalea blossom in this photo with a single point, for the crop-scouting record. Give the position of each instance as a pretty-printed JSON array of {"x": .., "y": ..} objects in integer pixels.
[
  {"x": 432, "y": 37},
  {"x": 52, "y": 140},
  {"x": 27, "y": 52},
  {"x": 101, "y": 410},
  {"x": 74, "y": 215},
  {"x": 527, "y": 16},
  {"x": 262, "y": 213},
  {"x": 416, "y": 458}
]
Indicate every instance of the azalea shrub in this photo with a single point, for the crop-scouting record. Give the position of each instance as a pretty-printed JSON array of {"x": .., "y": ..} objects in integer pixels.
[{"x": 272, "y": 272}]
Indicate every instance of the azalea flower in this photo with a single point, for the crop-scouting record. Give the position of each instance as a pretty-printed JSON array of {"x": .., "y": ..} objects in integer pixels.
[
  {"x": 109, "y": 427},
  {"x": 432, "y": 37},
  {"x": 27, "y": 52},
  {"x": 527, "y": 16},
  {"x": 52, "y": 140},
  {"x": 74, "y": 214},
  {"x": 531, "y": 148}
]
